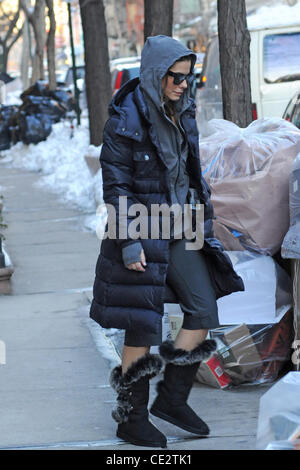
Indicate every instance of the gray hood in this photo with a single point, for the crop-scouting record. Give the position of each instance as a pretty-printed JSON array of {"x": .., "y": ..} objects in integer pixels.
[{"x": 158, "y": 55}]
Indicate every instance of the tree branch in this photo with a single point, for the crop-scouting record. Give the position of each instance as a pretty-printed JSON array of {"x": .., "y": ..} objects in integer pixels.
[
  {"x": 18, "y": 35},
  {"x": 12, "y": 25}
]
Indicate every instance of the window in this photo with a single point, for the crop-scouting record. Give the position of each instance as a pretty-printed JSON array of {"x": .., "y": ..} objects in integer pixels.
[
  {"x": 289, "y": 110},
  {"x": 295, "y": 118},
  {"x": 281, "y": 57}
]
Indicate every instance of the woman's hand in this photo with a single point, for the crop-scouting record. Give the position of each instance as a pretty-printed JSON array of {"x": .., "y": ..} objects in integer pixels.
[{"x": 138, "y": 266}]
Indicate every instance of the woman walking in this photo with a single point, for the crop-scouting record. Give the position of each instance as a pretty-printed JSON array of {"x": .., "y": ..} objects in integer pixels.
[{"x": 150, "y": 156}]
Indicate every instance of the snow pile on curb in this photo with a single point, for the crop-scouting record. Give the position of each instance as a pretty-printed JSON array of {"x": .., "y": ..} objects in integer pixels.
[{"x": 61, "y": 161}]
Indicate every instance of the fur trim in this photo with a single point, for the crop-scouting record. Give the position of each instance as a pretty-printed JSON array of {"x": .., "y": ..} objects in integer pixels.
[
  {"x": 181, "y": 357},
  {"x": 121, "y": 412},
  {"x": 115, "y": 378},
  {"x": 120, "y": 415},
  {"x": 148, "y": 365}
]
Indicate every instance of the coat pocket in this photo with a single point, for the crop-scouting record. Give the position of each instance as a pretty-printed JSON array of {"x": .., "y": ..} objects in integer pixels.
[{"x": 146, "y": 165}]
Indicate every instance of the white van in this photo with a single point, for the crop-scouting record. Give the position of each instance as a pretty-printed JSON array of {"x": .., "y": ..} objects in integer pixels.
[{"x": 274, "y": 73}]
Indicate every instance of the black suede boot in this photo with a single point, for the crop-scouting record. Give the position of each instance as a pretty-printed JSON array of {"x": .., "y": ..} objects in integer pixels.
[
  {"x": 133, "y": 395},
  {"x": 173, "y": 391}
]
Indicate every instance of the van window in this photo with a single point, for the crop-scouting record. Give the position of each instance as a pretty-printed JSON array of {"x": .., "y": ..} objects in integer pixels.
[
  {"x": 296, "y": 117},
  {"x": 281, "y": 57}
]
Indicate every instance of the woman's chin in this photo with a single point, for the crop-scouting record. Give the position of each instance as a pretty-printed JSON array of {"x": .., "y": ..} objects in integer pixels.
[{"x": 175, "y": 98}]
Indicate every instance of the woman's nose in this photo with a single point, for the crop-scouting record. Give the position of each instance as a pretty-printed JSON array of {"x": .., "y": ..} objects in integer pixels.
[{"x": 183, "y": 84}]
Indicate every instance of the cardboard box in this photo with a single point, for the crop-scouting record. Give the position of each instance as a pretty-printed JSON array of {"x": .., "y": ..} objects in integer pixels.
[
  {"x": 211, "y": 372},
  {"x": 175, "y": 318},
  {"x": 166, "y": 334},
  {"x": 175, "y": 322},
  {"x": 239, "y": 357}
]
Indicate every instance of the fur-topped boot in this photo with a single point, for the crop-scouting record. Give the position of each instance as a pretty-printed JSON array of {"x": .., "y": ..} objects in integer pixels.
[
  {"x": 173, "y": 391},
  {"x": 131, "y": 412}
]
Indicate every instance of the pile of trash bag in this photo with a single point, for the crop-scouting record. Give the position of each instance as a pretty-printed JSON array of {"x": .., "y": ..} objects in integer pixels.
[
  {"x": 255, "y": 198},
  {"x": 7, "y": 120},
  {"x": 248, "y": 171},
  {"x": 256, "y": 333},
  {"x": 249, "y": 354},
  {"x": 31, "y": 122}
]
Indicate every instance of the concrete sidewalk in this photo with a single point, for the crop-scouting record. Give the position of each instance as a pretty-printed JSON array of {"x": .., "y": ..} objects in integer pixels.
[{"x": 54, "y": 391}]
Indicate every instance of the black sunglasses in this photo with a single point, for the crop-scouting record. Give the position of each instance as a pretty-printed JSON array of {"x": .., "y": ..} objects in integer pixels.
[{"x": 180, "y": 77}]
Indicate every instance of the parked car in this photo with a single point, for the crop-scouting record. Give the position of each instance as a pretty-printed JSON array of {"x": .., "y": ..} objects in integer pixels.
[
  {"x": 121, "y": 72},
  {"x": 124, "y": 60},
  {"x": 68, "y": 84},
  {"x": 292, "y": 112},
  {"x": 80, "y": 74},
  {"x": 274, "y": 73}
]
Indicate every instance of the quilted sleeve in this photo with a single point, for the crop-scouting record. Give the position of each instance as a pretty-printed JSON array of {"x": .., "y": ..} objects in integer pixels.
[{"x": 117, "y": 175}]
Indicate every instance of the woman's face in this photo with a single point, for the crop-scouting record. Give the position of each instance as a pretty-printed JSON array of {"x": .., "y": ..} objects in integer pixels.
[{"x": 171, "y": 91}]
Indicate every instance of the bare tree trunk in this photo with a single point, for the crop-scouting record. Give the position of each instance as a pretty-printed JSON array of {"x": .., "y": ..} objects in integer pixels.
[
  {"x": 4, "y": 58},
  {"x": 207, "y": 12},
  {"x": 234, "y": 41},
  {"x": 97, "y": 72},
  {"x": 25, "y": 55},
  {"x": 121, "y": 25},
  {"x": 158, "y": 17},
  {"x": 51, "y": 46},
  {"x": 37, "y": 20},
  {"x": 38, "y": 24}
]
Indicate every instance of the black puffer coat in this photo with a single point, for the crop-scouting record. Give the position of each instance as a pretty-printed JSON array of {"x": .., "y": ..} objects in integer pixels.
[{"x": 128, "y": 299}]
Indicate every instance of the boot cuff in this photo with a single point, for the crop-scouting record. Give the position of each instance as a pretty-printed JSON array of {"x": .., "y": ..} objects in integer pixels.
[
  {"x": 148, "y": 365},
  {"x": 182, "y": 357}
]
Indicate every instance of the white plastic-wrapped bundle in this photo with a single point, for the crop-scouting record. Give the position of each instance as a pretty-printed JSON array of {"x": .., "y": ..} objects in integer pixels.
[
  {"x": 248, "y": 171},
  {"x": 279, "y": 415}
]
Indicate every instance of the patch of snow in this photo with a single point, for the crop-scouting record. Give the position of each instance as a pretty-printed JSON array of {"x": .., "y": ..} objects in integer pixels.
[
  {"x": 60, "y": 159},
  {"x": 93, "y": 151},
  {"x": 13, "y": 98}
]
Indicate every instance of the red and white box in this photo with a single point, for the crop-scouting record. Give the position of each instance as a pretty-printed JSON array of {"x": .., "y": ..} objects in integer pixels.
[{"x": 211, "y": 372}]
